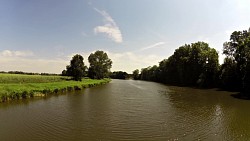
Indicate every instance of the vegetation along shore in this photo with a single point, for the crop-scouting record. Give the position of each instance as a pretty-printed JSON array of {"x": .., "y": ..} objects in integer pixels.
[{"x": 19, "y": 86}]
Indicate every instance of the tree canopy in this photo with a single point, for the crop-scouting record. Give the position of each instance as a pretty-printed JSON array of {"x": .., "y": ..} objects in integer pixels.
[
  {"x": 237, "y": 52},
  {"x": 190, "y": 65},
  {"x": 100, "y": 65},
  {"x": 197, "y": 64},
  {"x": 119, "y": 75},
  {"x": 76, "y": 69},
  {"x": 136, "y": 75}
]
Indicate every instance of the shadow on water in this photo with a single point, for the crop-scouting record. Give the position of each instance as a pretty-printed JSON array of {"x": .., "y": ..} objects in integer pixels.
[{"x": 240, "y": 95}]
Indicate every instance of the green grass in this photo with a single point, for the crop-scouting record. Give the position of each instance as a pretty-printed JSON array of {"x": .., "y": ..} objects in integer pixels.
[
  {"x": 20, "y": 78},
  {"x": 16, "y": 86}
]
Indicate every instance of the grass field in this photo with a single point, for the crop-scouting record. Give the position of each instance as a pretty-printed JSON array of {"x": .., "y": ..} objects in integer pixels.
[{"x": 17, "y": 86}]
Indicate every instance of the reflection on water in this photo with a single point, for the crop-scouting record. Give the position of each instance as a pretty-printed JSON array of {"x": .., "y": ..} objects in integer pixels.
[{"x": 128, "y": 110}]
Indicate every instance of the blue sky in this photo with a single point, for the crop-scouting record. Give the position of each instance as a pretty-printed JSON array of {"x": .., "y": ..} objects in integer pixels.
[{"x": 43, "y": 35}]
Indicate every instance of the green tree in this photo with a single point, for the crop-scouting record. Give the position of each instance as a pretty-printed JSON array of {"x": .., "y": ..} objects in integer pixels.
[
  {"x": 162, "y": 76},
  {"x": 64, "y": 73},
  {"x": 145, "y": 74},
  {"x": 238, "y": 48},
  {"x": 76, "y": 69},
  {"x": 190, "y": 65},
  {"x": 228, "y": 75},
  {"x": 119, "y": 75},
  {"x": 100, "y": 65},
  {"x": 136, "y": 75}
]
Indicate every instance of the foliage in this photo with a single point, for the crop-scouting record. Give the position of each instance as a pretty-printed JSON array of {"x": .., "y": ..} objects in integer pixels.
[
  {"x": 228, "y": 75},
  {"x": 190, "y": 65},
  {"x": 100, "y": 65},
  {"x": 238, "y": 50},
  {"x": 197, "y": 65},
  {"x": 76, "y": 69},
  {"x": 149, "y": 73},
  {"x": 119, "y": 75},
  {"x": 64, "y": 73},
  {"x": 136, "y": 75}
]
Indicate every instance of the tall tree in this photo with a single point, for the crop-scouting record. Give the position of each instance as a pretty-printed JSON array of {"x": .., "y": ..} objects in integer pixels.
[
  {"x": 76, "y": 69},
  {"x": 136, "y": 74},
  {"x": 228, "y": 75},
  {"x": 100, "y": 65},
  {"x": 238, "y": 48},
  {"x": 190, "y": 65}
]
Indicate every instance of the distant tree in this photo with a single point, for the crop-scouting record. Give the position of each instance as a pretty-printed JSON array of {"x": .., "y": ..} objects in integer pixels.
[
  {"x": 136, "y": 75},
  {"x": 119, "y": 75},
  {"x": 150, "y": 73},
  {"x": 190, "y": 65},
  {"x": 64, "y": 73},
  {"x": 76, "y": 69},
  {"x": 100, "y": 65}
]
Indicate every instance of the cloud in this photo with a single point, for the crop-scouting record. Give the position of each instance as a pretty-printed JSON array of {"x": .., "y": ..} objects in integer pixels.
[
  {"x": 9, "y": 53},
  {"x": 26, "y": 61},
  {"x": 33, "y": 65},
  {"x": 154, "y": 45},
  {"x": 110, "y": 27},
  {"x": 129, "y": 61}
]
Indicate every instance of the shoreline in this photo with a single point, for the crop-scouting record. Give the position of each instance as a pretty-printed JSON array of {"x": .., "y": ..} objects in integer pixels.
[{"x": 17, "y": 91}]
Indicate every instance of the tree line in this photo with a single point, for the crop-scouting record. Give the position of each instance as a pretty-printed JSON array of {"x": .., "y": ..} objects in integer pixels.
[
  {"x": 119, "y": 75},
  {"x": 197, "y": 64},
  {"x": 99, "y": 67},
  {"x": 29, "y": 73}
]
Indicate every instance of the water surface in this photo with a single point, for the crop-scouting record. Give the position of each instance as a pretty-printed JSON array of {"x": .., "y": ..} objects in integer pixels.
[{"x": 128, "y": 110}]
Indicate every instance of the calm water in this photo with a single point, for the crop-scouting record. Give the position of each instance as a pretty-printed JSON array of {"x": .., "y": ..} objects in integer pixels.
[{"x": 128, "y": 110}]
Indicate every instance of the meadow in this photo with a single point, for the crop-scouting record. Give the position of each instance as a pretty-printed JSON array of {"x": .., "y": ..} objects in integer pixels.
[{"x": 19, "y": 86}]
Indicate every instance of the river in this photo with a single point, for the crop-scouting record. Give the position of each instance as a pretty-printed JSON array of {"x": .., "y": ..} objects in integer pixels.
[{"x": 128, "y": 110}]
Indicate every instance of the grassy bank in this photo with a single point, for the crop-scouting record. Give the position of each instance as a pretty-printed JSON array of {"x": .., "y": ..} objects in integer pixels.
[{"x": 16, "y": 86}]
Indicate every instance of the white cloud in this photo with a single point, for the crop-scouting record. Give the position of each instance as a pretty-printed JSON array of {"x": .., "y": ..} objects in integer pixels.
[
  {"x": 32, "y": 65},
  {"x": 9, "y": 53},
  {"x": 110, "y": 27},
  {"x": 153, "y": 46},
  {"x": 129, "y": 61},
  {"x": 27, "y": 62}
]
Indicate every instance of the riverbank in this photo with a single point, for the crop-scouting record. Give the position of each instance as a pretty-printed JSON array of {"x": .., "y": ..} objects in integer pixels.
[{"x": 16, "y": 86}]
